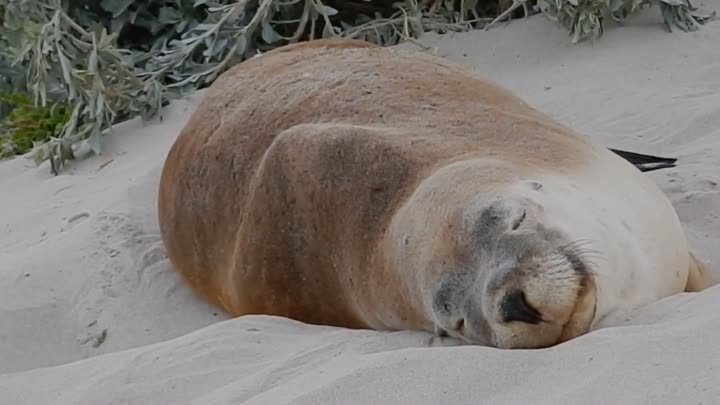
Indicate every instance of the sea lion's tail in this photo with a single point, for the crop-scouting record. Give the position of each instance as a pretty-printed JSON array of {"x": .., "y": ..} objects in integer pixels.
[{"x": 645, "y": 163}]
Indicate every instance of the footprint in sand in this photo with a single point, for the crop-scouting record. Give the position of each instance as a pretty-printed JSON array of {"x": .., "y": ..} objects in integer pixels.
[
  {"x": 75, "y": 220},
  {"x": 95, "y": 339}
]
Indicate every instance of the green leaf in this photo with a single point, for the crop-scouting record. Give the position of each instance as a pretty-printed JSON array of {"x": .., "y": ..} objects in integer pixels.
[
  {"x": 66, "y": 71},
  {"x": 116, "y": 7},
  {"x": 241, "y": 45},
  {"x": 674, "y": 2},
  {"x": 216, "y": 48},
  {"x": 94, "y": 141},
  {"x": 324, "y": 10},
  {"x": 268, "y": 34},
  {"x": 168, "y": 15},
  {"x": 180, "y": 27},
  {"x": 330, "y": 31}
]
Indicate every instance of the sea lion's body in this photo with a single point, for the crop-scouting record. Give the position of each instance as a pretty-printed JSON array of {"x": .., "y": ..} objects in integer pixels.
[{"x": 339, "y": 183}]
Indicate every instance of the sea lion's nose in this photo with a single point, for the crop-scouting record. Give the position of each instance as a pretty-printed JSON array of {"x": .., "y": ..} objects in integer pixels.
[
  {"x": 514, "y": 307},
  {"x": 459, "y": 325}
]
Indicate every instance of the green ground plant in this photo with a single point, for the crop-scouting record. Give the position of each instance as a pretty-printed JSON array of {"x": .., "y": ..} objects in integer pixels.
[
  {"x": 110, "y": 60},
  {"x": 27, "y": 125}
]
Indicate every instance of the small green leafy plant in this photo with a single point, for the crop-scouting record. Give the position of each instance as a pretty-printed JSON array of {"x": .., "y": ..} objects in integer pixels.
[{"x": 26, "y": 125}]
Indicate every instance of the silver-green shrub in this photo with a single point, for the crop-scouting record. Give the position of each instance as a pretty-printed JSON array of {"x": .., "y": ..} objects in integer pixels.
[{"x": 115, "y": 59}]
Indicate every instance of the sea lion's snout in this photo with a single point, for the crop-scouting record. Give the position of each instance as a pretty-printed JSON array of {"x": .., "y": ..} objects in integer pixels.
[
  {"x": 541, "y": 300},
  {"x": 515, "y": 308}
]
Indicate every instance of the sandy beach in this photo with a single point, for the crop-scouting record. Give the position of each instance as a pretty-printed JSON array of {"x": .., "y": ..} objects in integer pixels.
[{"x": 91, "y": 311}]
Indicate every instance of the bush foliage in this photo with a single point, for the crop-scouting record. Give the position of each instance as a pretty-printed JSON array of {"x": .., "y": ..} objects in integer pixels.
[{"x": 110, "y": 60}]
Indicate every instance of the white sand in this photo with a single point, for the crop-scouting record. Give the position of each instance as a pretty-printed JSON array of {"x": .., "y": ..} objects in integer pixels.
[{"x": 637, "y": 88}]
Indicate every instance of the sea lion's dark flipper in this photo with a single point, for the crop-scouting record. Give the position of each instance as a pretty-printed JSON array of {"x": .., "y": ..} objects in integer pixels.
[{"x": 645, "y": 163}]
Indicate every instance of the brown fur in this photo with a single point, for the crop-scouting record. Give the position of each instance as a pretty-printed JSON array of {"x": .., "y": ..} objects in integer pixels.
[{"x": 278, "y": 195}]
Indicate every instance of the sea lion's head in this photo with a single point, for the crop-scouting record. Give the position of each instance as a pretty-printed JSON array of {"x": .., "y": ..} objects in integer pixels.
[
  {"x": 511, "y": 281},
  {"x": 488, "y": 263}
]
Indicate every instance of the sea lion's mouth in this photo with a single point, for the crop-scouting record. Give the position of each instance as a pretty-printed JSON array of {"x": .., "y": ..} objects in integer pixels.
[{"x": 443, "y": 333}]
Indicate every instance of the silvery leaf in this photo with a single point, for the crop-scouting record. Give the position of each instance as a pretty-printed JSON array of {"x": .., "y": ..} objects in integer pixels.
[
  {"x": 324, "y": 10},
  {"x": 268, "y": 34}
]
